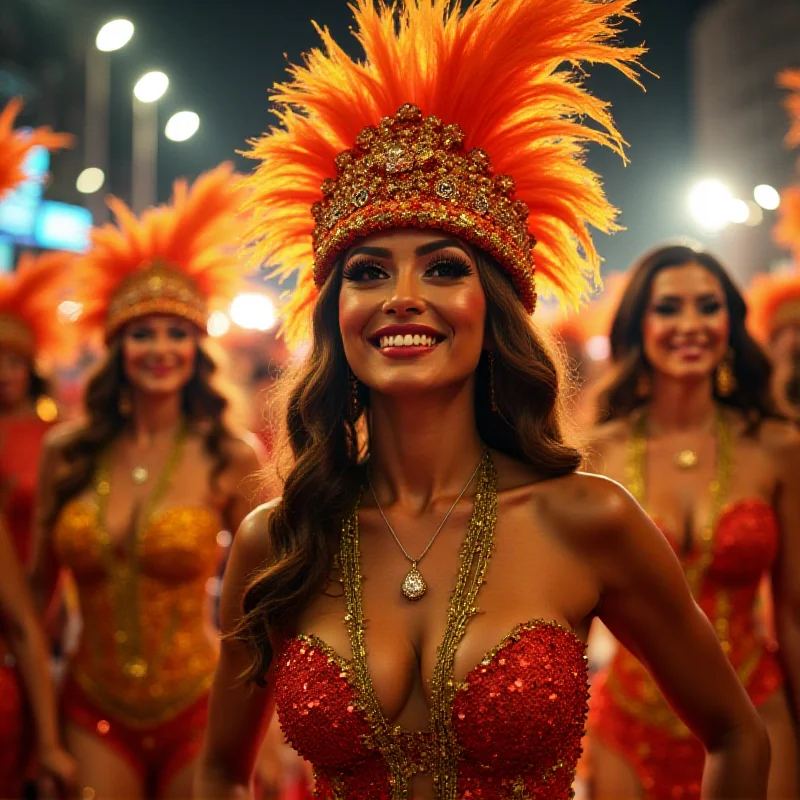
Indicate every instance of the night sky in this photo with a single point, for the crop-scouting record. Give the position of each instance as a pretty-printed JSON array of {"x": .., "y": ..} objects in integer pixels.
[{"x": 223, "y": 55}]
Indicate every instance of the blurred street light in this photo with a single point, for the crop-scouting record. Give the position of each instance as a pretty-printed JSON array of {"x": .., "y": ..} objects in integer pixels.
[
  {"x": 767, "y": 197},
  {"x": 219, "y": 324},
  {"x": 151, "y": 87},
  {"x": 738, "y": 211},
  {"x": 253, "y": 311},
  {"x": 182, "y": 126},
  {"x": 91, "y": 180},
  {"x": 710, "y": 204},
  {"x": 114, "y": 35}
]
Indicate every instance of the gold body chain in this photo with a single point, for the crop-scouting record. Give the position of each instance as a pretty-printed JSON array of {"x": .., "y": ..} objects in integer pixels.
[{"x": 407, "y": 753}]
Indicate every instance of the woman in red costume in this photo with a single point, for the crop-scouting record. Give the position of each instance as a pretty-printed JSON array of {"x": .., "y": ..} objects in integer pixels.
[
  {"x": 412, "y": 603},
  {"x": 135, "y": 495},
  {"x": 689, "y": 402},
  {"x": 28, "y": 333}
]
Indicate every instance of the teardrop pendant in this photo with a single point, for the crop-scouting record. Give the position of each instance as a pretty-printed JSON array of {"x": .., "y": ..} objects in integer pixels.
[{"x": 414, "y": 585}]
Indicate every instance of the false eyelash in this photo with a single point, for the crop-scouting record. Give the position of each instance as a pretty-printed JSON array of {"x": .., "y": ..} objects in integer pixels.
[
  {"x": 462, "y": 266},
  {"x": 353, "y": 270}
]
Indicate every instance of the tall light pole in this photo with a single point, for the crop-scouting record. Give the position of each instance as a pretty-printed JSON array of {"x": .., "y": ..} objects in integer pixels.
[
  {"x": 114, "y": 35},
  {"x": 149, "y": 89}
]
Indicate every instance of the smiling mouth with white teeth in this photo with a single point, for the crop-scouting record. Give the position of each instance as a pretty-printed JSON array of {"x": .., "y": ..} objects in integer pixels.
[{"x": 408, "y": 340}]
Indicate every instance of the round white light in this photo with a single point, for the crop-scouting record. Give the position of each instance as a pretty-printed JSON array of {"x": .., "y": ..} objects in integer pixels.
[
  {"x": 182, "y": 126},
  {"x": 755, "y": 214},
  {"x": 90, "y": 180},
  {"x": 767, "y": 197},
  {"x": 738, "y": 211},
  {"x": 114, "y": 34},
  {"x": 253, "y": 311},
  {"x": 598, "y": 348},
  {"x": 218, "y": 323},
  {"x": 69, "y": 311},
  {"x": 709, "y": 202},
  {"x": 224, "y": 538},
  {"x": 151, "y": 87}
]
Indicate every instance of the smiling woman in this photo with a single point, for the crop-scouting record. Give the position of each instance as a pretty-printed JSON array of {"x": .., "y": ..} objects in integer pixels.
[
  {"x": 690, "y": 427},
  {"x": 414, "y": 601},
  {"x": 133, "y": 496}
]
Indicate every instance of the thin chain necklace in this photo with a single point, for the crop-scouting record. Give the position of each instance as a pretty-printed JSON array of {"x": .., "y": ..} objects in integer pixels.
[{"x": 413, "y": 586}]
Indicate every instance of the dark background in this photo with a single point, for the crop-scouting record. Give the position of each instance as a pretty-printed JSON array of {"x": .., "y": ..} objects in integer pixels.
[{"x": 223, "y": 55}]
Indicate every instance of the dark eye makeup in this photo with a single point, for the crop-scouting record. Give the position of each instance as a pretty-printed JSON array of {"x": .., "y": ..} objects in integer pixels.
[{"x": 446, "y": 266}]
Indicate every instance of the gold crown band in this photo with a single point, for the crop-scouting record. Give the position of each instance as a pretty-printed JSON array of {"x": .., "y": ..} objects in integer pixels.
[
  {"x": 412, "y": 171},
  {"x": 16, "y": 335},
  {"x": 156, "y": 290}
]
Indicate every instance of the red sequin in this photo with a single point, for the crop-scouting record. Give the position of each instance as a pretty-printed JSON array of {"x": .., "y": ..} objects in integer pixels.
[
  {"x": 628, "y": 712},
  {"x": 518, "y": 719}
]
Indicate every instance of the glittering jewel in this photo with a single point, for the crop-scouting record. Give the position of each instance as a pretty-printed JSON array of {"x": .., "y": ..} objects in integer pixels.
[
  {"x": 414, "y": 585},
  {"x": 686, "y": 459},
  {"x": 140, "y": 475}
]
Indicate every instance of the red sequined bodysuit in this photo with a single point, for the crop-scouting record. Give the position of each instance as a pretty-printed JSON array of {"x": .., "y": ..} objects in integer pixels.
[
  {"x": 630, "y": 715},
  {"x": 511, "y": 728}
]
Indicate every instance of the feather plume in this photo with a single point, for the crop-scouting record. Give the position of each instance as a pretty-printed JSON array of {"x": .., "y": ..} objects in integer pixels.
[
  {"x": 767, "y": 296},
  {"x": 32, "y": 293},
  {"x": 15, "y": 145},
  {"x": 506, "y": 71},
  {"x": 194, "y": 235}
]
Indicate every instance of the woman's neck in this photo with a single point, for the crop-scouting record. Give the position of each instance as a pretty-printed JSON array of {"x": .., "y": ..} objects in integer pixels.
[
  {"x": 153, "y": 416},
  {"x": 423, "y": 447},
  {"x": 677, "y": 406}
]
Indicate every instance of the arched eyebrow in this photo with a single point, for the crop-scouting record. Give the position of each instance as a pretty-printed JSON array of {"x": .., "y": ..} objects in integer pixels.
[{"x": 423, "y": 250}]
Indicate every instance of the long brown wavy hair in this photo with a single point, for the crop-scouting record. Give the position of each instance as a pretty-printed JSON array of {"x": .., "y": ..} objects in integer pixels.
[
  {"x": 329, "y": 444},
  {"x": 204, "y": 408},
  {"x": 618, "y": 396}
]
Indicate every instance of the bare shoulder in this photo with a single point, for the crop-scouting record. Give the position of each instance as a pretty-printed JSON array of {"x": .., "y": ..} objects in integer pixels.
[
  {"x": 251, "y": 545},
  {"x": 781, "y": 441},
  {"x": 61, "y": 435},
  {"x": 244, "y": 451},
  {"x": 586, "y": 510}
]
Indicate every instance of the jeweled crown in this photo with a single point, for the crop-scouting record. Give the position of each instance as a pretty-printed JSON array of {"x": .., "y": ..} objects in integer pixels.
[
  {"x": 414, "y": 171},
  {"x": 156, "y": 290}
]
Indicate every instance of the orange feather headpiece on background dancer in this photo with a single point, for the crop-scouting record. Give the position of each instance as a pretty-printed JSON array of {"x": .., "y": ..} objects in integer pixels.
[
  {"x": 470, "y": 122},
  {"x": 29, "y": 300},
  {"x": 790, "y": 79},
  {"x": 15, "y": 145},
  {"x": 773, "y": 301},
  {"x": 174, "y": 259}
]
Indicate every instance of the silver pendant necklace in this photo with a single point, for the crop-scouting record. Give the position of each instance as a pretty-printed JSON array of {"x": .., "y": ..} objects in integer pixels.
[{"x": 413, "y": 586}]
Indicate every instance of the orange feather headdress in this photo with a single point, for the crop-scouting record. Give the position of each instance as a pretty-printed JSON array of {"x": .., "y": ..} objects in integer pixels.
[
  {"x": 772, "y": 302},
  {"x": 471, "y": 122},
  {"x": 29, "y": 300},
  {"x": 174, "y": 259},
  {"x": 15, "y": 145},
  {"x": 790, "y": 79},
  {"x": 786, "y": 232}
]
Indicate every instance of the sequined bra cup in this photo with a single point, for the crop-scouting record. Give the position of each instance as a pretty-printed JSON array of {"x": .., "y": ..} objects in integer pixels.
[
  {"x": 745, "y": 545},
  {"x": 145, "y": 653},
  {"x": 511, "y": 729}
]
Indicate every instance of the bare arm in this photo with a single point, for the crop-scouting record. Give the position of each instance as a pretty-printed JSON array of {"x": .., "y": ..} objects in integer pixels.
[
  {"x": 237, "y": 711},
  {"x": 785, "y": 580},
  {"x": 27, "y": 642},
  {"x": 647, "y": 605},
  {"x": 45, "y": 569}
]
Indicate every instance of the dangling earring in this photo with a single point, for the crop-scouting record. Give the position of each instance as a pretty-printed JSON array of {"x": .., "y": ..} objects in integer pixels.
[
  {"x": 644, "y": 386},
  {"x": 125, "y": 402},
  {"x": 355, "y": 400},
  {"x": 492, "y": 395},
  {"x": 725, "y": 379}
]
